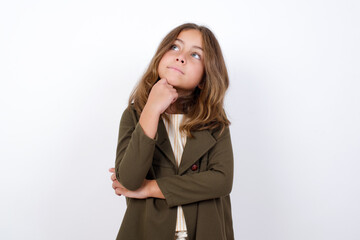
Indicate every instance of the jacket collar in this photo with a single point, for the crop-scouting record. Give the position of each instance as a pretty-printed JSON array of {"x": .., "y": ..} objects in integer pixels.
[{"x": 195, "y": 147}]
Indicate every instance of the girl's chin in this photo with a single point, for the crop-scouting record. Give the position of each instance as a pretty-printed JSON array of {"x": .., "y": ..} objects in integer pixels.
[
  {"x": 181, "y": 91},
  {"x": 172, "y": 81}
]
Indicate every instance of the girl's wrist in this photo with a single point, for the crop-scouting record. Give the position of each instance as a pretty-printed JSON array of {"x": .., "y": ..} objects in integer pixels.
[
  {"x": 148, "y": 109},
  {"x": 149, "y": 122},
  {"x": 154, "y": 190}
]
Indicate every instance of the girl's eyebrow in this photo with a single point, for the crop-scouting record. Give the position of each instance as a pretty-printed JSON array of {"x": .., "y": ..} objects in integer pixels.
[{"x": 192, "y": 46}]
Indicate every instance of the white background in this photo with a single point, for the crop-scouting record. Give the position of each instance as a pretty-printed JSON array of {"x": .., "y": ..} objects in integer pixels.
[{"x": 67, "y": 69}]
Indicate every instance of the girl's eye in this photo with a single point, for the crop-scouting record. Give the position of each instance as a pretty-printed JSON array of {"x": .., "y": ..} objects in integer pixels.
[
  {"x": 195, "y": 55},
  {"x": 174, "y": 47}
]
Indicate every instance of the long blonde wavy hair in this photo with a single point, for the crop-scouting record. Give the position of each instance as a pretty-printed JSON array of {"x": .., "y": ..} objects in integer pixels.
[{"x": 204, "y": 107}]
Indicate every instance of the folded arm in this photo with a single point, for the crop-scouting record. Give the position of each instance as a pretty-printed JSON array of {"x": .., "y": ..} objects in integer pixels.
[
  {"x": 134, "y": 158},
  {"x": 134, "y": 152},
  {"x": 215, "y": 182}
]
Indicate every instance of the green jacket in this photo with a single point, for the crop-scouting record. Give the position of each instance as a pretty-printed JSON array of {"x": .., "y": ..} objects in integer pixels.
[{"x": 201, "y": 184}]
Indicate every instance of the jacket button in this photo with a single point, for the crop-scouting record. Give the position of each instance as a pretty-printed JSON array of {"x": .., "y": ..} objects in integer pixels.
[{"x": 194, "y": 167}]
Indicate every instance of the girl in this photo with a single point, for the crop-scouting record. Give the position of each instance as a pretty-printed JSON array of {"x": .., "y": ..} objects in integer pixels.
[{"x": 174, "y": 160}]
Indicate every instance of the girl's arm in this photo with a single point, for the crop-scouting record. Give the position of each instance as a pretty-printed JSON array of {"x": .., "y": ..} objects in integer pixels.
[
  {"x": 179, "y": 190},
  {"x": 136, "y": 144},
  {"x": 214, "y": 183},
  {"x": 161, "y": 96},
  {"x": 149, "y": 188},
  {"x": 134, "y": 152}
]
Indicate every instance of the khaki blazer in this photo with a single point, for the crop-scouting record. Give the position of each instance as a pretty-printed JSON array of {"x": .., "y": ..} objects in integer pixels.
[{"x": 201, "y": 184}]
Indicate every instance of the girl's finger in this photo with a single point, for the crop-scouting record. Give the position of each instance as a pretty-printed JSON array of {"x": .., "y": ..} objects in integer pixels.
[
  {"x": 116, "y": 184},
  {"x": 174, "y": 100},
  {"x": 175, "y": 97},
  {"x": 112, "y": 170},
  {"x": 163, "y": 80},
  {"x": 113, "y": 177},
  {"x": 118, "y": 191}
]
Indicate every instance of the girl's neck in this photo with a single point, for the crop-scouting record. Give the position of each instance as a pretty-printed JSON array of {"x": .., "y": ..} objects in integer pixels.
[
  {"x": 178, "y": 106},
  {"x": 173, "y": 109}
]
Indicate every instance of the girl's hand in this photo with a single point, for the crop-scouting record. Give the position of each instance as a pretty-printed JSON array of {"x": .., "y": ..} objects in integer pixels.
[
  {"x": 161, "y": 96},
  {"x": 140, "y": 193},
  {"x": 149, "y": 188}
]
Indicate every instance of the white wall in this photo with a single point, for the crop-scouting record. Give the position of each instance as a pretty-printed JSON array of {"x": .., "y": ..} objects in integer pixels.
[{"x": 66, "y": 71}]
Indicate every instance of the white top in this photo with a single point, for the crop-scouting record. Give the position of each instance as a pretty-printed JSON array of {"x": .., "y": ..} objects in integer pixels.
[{"x": 178, "y": 141}]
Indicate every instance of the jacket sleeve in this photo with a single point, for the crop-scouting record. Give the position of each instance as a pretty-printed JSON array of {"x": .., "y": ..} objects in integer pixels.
[
  {"x": 215, "y": 182},
  {"x": 134, "y": 152}
]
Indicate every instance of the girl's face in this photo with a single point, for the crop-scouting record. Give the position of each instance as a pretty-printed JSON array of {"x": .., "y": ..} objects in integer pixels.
[{"x": 183, "y": 65}]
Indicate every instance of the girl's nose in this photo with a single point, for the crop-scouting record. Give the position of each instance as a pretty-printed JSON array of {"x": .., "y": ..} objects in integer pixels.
[{"x": 180, "y": 60}]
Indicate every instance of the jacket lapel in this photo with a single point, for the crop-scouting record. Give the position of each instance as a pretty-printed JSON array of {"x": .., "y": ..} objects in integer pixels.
[
  {"x": 195, "y": 147},
  {"x": 163, "y": 143}
]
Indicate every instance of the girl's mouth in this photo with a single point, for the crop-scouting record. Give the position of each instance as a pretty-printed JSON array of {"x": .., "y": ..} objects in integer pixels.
[{"x": 176, "y": 69}]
